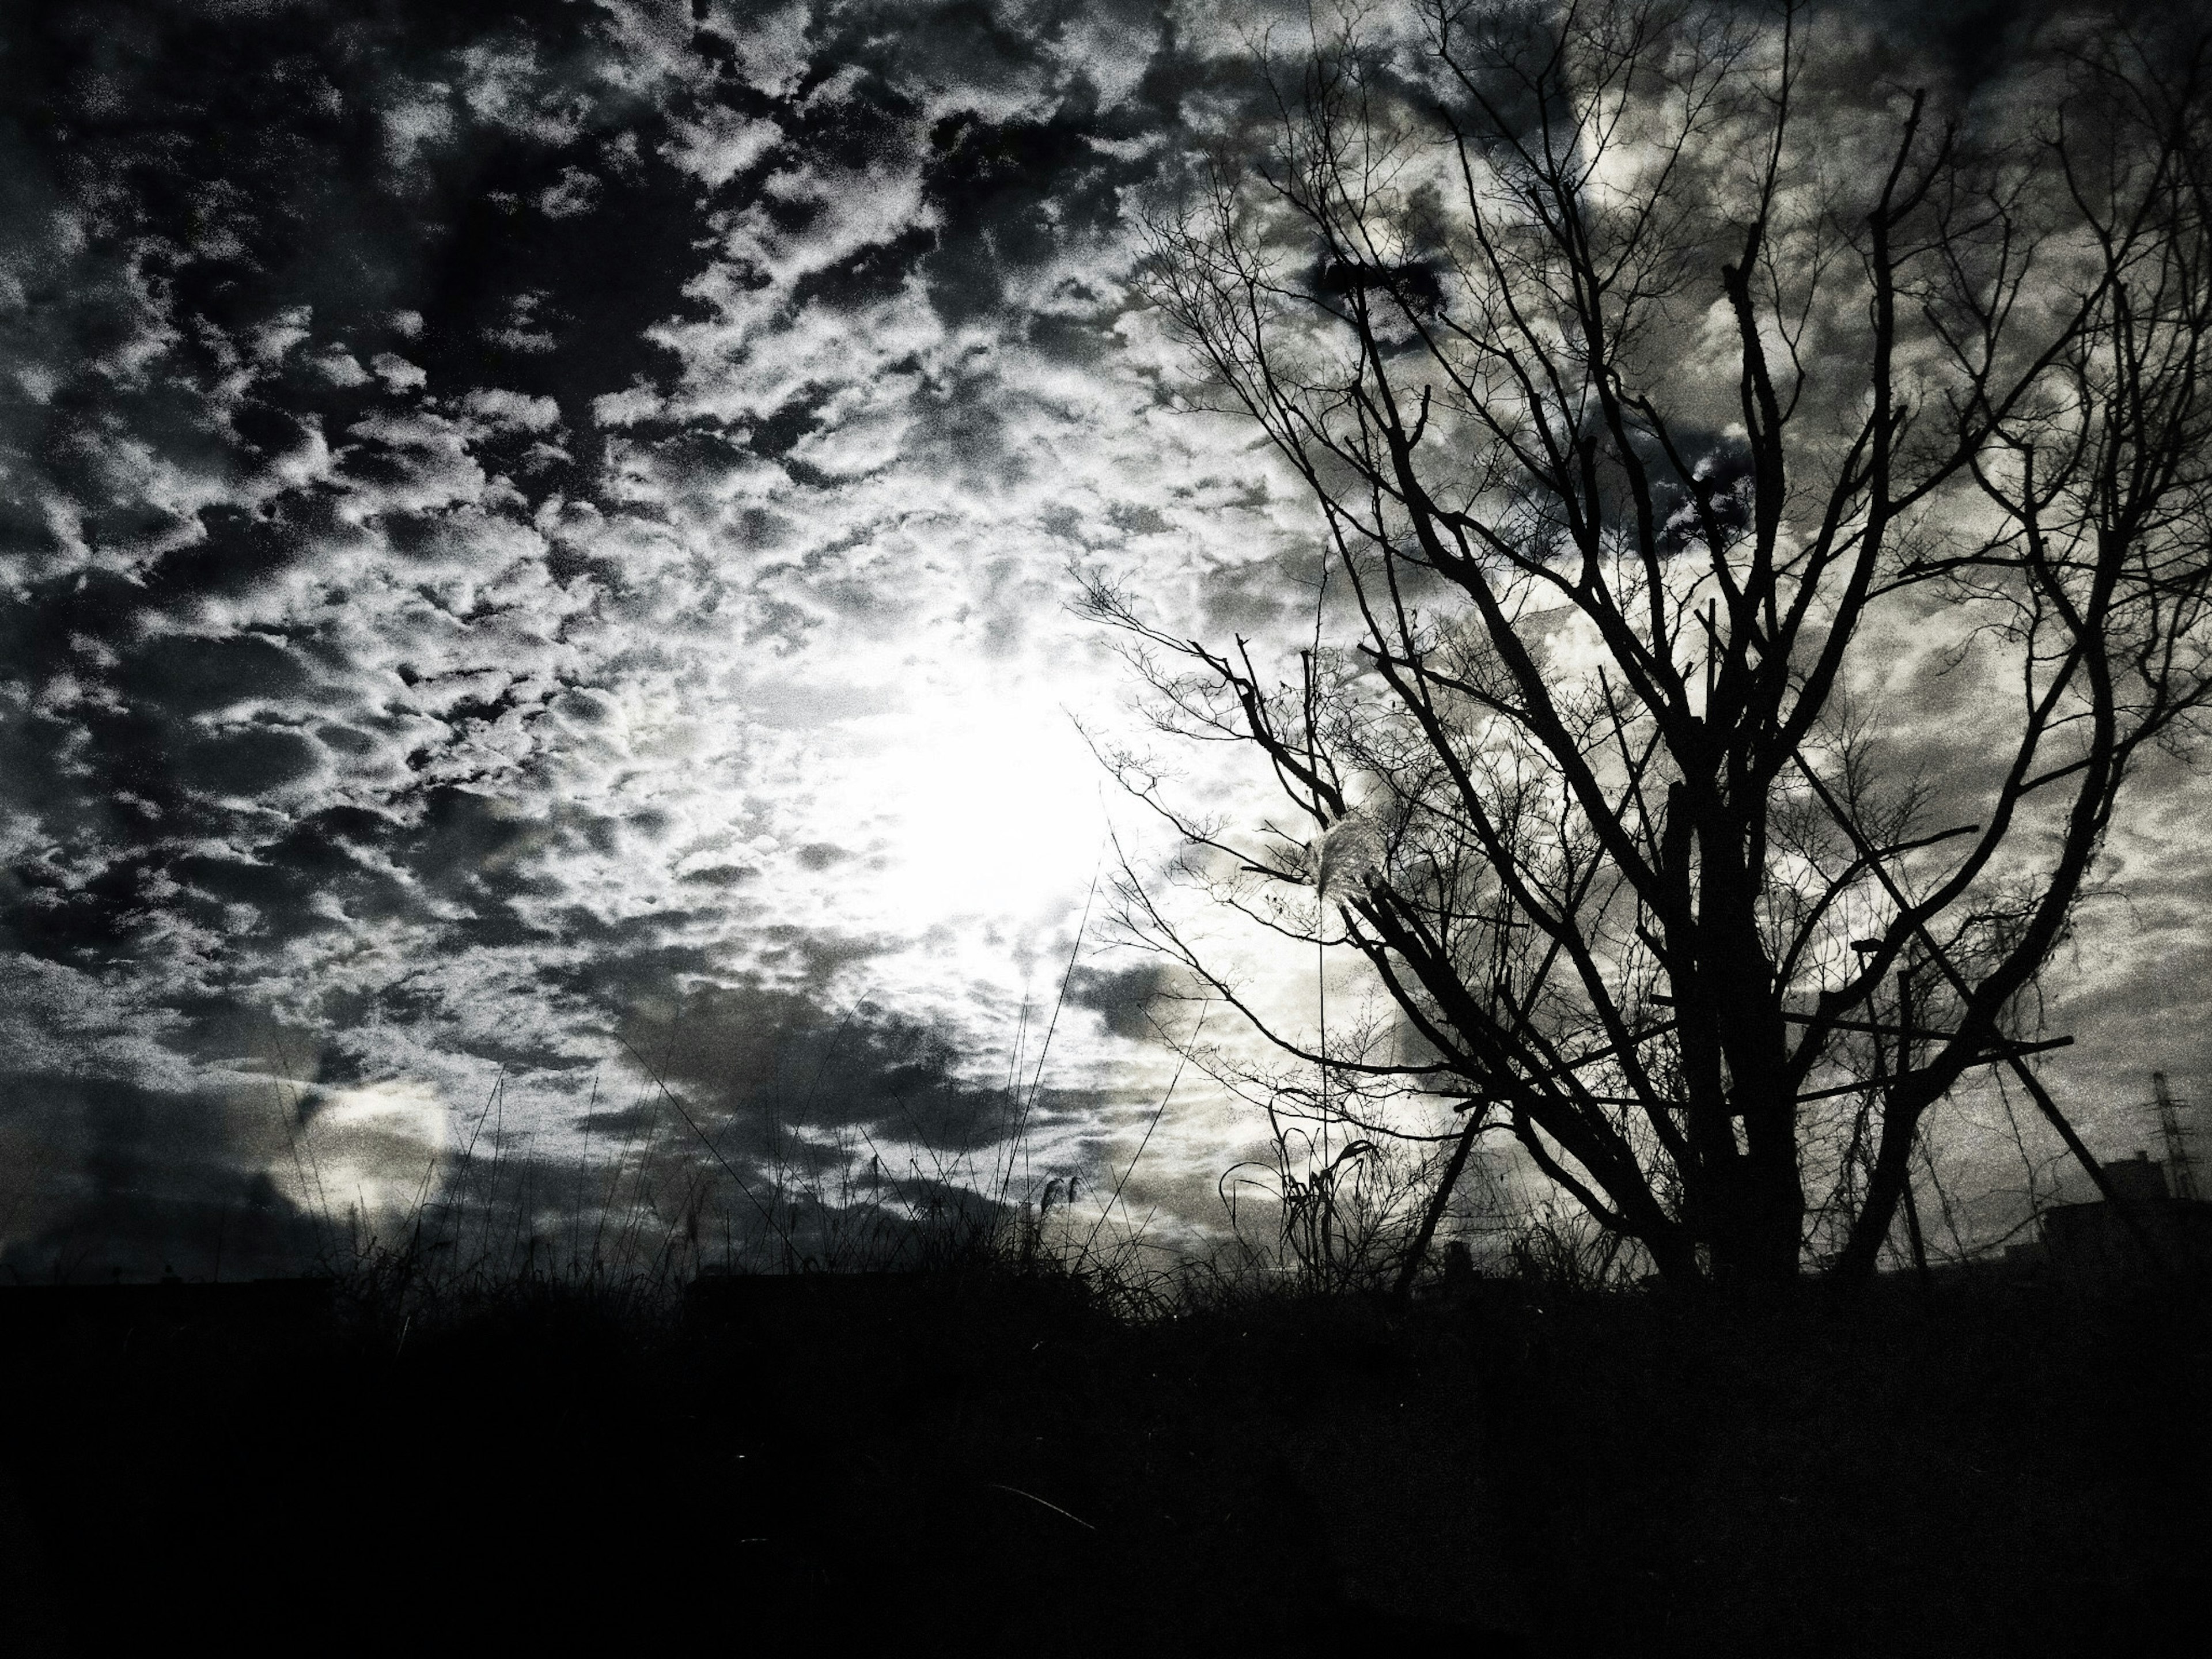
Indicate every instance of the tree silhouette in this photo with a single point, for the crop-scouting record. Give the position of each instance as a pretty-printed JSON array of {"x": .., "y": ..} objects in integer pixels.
[{"x": 1664, "y": 375}]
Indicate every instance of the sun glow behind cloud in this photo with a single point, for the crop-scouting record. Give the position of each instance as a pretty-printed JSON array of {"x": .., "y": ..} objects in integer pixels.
[
  {"x": 986, "y": 797},
  {"x": 375, "y": 1152}
]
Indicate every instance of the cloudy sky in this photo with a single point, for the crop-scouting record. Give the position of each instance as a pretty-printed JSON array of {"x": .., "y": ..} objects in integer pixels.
[{"x": 536, "y": 566}]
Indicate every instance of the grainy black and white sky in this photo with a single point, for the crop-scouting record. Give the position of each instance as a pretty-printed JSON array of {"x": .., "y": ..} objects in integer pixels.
[{"x": 539, "y": 533}]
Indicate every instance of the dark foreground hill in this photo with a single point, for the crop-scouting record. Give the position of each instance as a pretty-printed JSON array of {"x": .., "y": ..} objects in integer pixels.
[{"x": 981, "y": 1465}]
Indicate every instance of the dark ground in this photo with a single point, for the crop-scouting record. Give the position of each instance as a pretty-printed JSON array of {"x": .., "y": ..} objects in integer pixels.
[{"x": 985, "y": 1470}]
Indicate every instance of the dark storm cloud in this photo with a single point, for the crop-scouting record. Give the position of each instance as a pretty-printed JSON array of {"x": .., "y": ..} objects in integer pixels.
[
  {"x": 107, "y": 1176},
  {"x": 760, "y": 1100},
  {"x": 1964, "y": 43},
  {"x": 1126, "y": 997},
  {"x": 778, "y": 1071}
]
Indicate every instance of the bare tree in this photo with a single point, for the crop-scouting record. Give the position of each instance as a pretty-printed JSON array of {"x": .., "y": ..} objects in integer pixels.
[{"x": 1661, "y": 375}]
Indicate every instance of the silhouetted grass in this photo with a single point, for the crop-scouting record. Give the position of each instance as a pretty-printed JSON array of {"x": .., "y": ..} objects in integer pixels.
[{"x": 992, "y": 1452}]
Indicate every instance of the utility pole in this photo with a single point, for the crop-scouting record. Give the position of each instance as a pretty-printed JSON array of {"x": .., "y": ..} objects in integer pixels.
[{"x": 2180, "y": 1177}]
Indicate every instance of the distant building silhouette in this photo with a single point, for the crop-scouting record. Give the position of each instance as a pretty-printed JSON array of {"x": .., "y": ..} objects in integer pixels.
[{"x": 2096, "y": 1242}]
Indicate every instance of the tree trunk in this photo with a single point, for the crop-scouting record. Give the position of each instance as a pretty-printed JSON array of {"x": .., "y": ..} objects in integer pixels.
[{"x": 1410, "y": 1269}]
